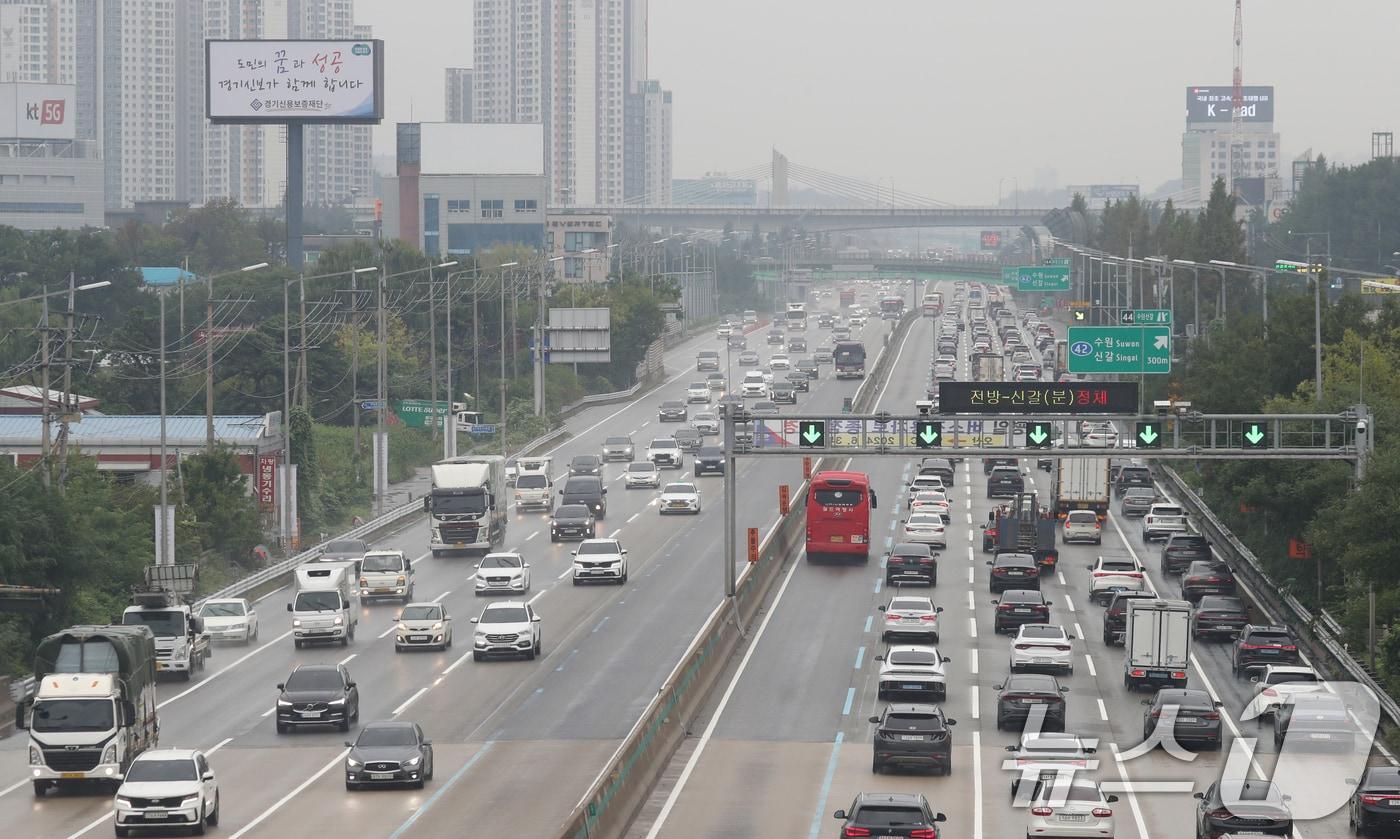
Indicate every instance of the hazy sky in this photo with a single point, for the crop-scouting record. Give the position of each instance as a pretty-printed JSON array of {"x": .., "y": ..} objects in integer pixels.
[{"x": 946, "y": 98}]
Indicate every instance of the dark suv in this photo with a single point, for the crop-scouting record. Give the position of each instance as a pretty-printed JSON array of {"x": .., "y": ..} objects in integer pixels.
[
  {"x": 572, "y": 521},
  {"x": 912, "y": 737},
  {"x": 318, "y": 694},
  {"x": 586, "y": 464},
  {"x": 1132, "y": 475},
  {"x": 1013, "y": 571},
  {"x": 1218, "y": 615},
  {"x": 1019, "y": 606},
  {"x": 1004, "y": 482},
  {"x": 1207, "y": 577},
  {"x": 1261, "y": 645},
  {"x": 588, "y": 491},
  {"x": 1115, "y": 617},
  {"x": 1182, "y": 549},
  {"x": 890, "y": 814},
  {"x": 910, "y": 562},
  {"x": 709, "y": 460}
]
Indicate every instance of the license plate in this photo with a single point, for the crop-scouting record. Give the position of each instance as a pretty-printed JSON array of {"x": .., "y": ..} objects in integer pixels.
[
  {"x": 913, "y": 687},
  {"x": 910, "y": 737},
  {"x": 838, "y": 538},
  {"x": 1190, "y": 720},
  {"x": 1268, "y": 652},
  {"x": 381, "y": 776},
  {"x": 1394, "y": 802},
  {"x": 1156, "y": 674},
  {"x": 156, "y": 814},
  {"x": 1021, "y": 611},
  {"x": 72, "y": 776},
  {"x": 1320, "y": 736},
  {"x": 1032, "y": 701},
  {"x": 417, "y": 638},
  {"x": 311, "y": 713},
  {"x": 595, "y": 571},
  {"x": 1043, "y": 660},
  {"x": 1072, "y": 817}
]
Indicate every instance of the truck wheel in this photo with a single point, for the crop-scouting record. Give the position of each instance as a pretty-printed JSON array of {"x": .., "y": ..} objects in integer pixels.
[
  {"x": 41, "y": 787},
  {"x": 345, "y": 640},
  {"x": 185, "y": 674},
  {"x": 296, "y": 643}
]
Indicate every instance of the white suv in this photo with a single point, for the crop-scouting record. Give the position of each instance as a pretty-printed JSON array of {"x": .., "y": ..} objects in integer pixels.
[
  {"x": 600, "y": 560},
  {"x": 507, "y": 628},
  {"x": 755, "y": 385},
  {"x": 1115, "y": 573},
  {"x": 1162, "y": 520},
  {"x": 167, "y": 788}
]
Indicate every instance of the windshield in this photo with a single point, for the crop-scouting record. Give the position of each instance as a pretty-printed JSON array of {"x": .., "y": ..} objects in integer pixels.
[
  {"x": 641, "y": 467},
  {"x": 317, "y": 601},
  {"x": 375, "y": 562},
  {"x": 453, "y": 505},
  {"x": 1280, "y": 678},
  {"x": 73, "y": 715},
  {"x": 593, "y": 548},
  {"x": 181, "y": 769},
  {"x": 909, "y": 604},
  {"x": 683, "y": 489},
  {"x": 889, "y": 816},
  {"x": 667, "y": 443},
  {"x": 387, "y": 735},
  {"x": 850, "y": 354},
  {"x": 571, "y": 511},
  {"x": 617, "y": 441},
  {"x": 838, "y": 497},
  {"x": 318, "y": 679},
  {"x": 420, "y": 613},
  {"x": 163, "y": 624},
  {"x": 222, "y": 610},
  {"x": 531, "y": 482},
  {"x": 1040, "y": 630},
  {"x": 925, "y": 519},
  {"x": 500, "y": 561},
  {"x": 504, "y": 614}
]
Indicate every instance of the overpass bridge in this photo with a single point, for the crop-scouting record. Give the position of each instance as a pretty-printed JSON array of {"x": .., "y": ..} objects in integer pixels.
[{"x": 771, "y": 219}]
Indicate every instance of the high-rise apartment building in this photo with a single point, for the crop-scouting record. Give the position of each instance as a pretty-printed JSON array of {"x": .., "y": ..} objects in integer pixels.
[
  {"x": 647, "y": 145},
  {"x": 141, "y": 56},
  {"x": 337, "y": 163},
  {"x": 25, "y": 41},
  {"x": 230, "y": 161},
  {"x": 459, "y": 94},
  {"x": 509, "y": 81}
]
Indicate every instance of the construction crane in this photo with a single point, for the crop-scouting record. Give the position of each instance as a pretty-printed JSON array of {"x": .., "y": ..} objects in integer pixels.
[{"x": 1237, "y": 105}]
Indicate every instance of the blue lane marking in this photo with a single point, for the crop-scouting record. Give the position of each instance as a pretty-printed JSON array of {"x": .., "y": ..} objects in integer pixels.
[
  {"x": 878, "y": 581},
  {"x": 819, "y": 817},
  {"x": 456, "y": 776},
  {"x": 850, "y": 697},
  {"x": 600, "y": 623},
  {"x": 860, "y": 656},
  {"x": 869, "y": 619}
]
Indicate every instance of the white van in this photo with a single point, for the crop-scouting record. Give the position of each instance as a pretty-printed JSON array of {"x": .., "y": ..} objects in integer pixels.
[
  {"x": 534, "y": 487},
  {"x": 325, "y": 607},
  {"x": 386, "y": 574}
]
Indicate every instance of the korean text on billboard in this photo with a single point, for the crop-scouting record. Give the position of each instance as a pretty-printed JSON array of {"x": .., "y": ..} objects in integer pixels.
[{"x": 282, "y": 81}]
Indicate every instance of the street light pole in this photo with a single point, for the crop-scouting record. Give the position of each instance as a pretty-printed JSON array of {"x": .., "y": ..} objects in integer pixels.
[
  {"x": 209, "y": 351},
  {"x": 502, "y": 428}
]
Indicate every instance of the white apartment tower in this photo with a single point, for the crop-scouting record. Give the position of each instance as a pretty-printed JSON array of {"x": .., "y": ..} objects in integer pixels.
[
  {"x": 234, "y": 157},
  {"x": 336, "y": 164},
  {"x": 141, "y": 48},
  {"x": 508, "y": 42},
  {"x": 25, "y": 36},
  {"x": 459, "y": 86}
]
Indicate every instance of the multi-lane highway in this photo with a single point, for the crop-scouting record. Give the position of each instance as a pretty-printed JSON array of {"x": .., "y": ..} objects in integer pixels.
[
  {"x": 517, "y": 742},
  {"x": 786, "y": 741}
]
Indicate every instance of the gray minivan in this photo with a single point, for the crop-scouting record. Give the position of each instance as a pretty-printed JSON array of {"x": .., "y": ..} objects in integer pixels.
[{"x": 587, "y": 490}]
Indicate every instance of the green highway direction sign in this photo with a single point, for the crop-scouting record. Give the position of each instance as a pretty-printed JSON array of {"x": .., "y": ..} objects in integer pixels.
[
  {"x": 812, "y": 434},
  {"x": 1008, "y": 276},
  {"x": 1038, "y": 435},
  {"x": 1149, "y": 435},
  {"x": 928, "y": 434},
  {"x": 1255, "y": 435},
  {"x": 418, "y": 413},
  {"x": 1120, "y": 349},
  {"x": 1142, "y": 317},
  {"x": 1047, "y": 278}
]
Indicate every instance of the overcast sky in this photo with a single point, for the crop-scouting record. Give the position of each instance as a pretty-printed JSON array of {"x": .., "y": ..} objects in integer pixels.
[{"x": 945, "y": 98}]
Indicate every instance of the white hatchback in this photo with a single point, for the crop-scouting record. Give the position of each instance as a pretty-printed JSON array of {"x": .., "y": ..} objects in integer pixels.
[
  {"x": 1082, "y": 526},
  {"x": 1042, "y": 646},
  {"x": 1069, "y": 808}
]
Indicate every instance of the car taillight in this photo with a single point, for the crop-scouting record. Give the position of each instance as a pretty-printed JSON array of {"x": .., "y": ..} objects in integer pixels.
[
  {"x": 1064, "y": 648},
  {"x": 1004, "y": 607},
  {"x": 925, "y": 560},
  {"x": 1097, "y": 526},
  {"x": 855, "y": 831},
  {"x": 1252, "y": 646},
  {"x": 1178, "y": 674},
  {"x": 1136, "y": 575},
  {"x": 1211, "y": 715},
  {"x": 891, "y": 616},
  {"x": 1288, "y": 647},
  {"x": 1023, "y": 646},
  {"x": 1102, "y": 812},
  {"x": 1270, "y": 692},
  {"x": 1221, "y": 814},
  {"x": 1137, "y": 674},
  {"x": 1156, "y": 715},
  {"x": 928, "y": 617},
  {"x": 1377, "y": 799},
  {"x": 1042, "y": 811},
  {"x": 923, "y": 833},
  {"x": 896, "y": 560},
  {"x": 363, "y": 582}
]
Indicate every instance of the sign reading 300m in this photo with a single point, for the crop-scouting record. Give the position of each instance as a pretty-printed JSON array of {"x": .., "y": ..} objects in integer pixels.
[{"x": 294, "y": 81}]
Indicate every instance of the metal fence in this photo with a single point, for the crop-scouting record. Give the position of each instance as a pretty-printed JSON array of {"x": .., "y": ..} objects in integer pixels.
[{"x": 1325, "y": 630}]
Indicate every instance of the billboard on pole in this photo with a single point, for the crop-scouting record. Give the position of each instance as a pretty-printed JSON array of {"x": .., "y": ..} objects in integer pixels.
[
  {"x": 1213, "y": 104},
  {"x": 294, "y": 81},
  {"x": 37, "y": 111}
]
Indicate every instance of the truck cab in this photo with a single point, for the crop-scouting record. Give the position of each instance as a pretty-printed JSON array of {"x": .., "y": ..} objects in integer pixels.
[
  {"x": 182, "y": 645},
  {"x": 466, "y": 505},
  {"x": 534, "y": 488},
  {"x": 386, "y": 574},
  {"x": 325, "y": 605}
]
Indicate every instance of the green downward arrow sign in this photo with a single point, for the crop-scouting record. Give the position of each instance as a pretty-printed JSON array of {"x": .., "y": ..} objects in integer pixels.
[
  {"x": 811, "y": 434},
  {"x": 928, "y": 435},
  {"x": 1148, "y": 435},
  {"x": 1037, "y": 434},
  {"x": 1254, "y": 435}
]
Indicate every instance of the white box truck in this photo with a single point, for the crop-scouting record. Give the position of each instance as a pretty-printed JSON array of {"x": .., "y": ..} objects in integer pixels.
[
  {"x": 467, "y": 504},
  {"x": 1158, "y": 643},
  {"x": 534, "y": 484},
  {"x": 1081, "y": 483},
  {"x": 325, "y": 607}
]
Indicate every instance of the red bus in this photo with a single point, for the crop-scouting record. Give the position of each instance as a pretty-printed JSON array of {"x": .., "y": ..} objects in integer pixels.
[
  {"x": 838, "y": 516},
  {"x": 848, "y": 358}
]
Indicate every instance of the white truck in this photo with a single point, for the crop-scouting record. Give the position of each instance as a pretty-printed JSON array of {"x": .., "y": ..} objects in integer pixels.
[
  {"x": 1081, "y": 483},
  {"x": 1157, "y": 643},
  {"x": 534, "y": 484},
  {"x": 182, "y": 645},
  {"x": 467, "y": 504},
  {"x": 325, "y": 607},
  {"x": 91, "y": 707},
  {"x": 387, "y": 575}
]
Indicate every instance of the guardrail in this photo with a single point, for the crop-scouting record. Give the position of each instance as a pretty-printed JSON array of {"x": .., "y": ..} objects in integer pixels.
[
  {"x": 602, "y": 398},
  {"x": 1325, "y": 632},
  {"x": 625, "y": 781}
]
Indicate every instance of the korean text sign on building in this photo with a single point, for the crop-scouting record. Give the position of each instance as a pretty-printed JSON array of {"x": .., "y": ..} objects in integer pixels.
[{"x": 294, "y": 81}]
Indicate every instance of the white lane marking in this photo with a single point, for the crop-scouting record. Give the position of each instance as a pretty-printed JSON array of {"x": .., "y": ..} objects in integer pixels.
[
  {"x": 976, "y": 780},
  {"x": 719, "y": 711},
  {"x": 969, "y": 536},
  {"x": 567, "y": 572},
  {"x": 537, "y": 596},
  {"x": 1089, "y": 662},
  {"x": 1069, "y": 602},
  {"x": 969, "y": 518},
  {"x": 1132, "y": 796},
  {"x": 216, "y": 674},
  {"x": 336, "y": 761},
  {"x": 613, "y": 535},
  {"x": 1060, "y": 575},
  {"x": 971, "y": 556},
  {"x": 221, "y": 744},
  {"x": 976, "y": 703},
  {"x": 90, "y": 825},
  {"x": 346, "y": 660},
  {"x": 532, "y": 535},
  {"x": 972, "y": 627},
  {"x": 633, "y": 518},
  {"x": 454, "y": 665},
  {"x": 409, "y": 701},
  {"x": 268, "y": 712},
  {"x": 1078, "y": 631},
  {"x": 391, "y": 628},
  {"x": 12, "y": 787},
  {"x": 971, "y": 601},
  {"x": 439, "y": 598},
  {"x": 643, "y": 425},
  {"x": 1103, "y": 712},
  {"x": 970, "y": 572},
  {"x": 972, "y": 662}
]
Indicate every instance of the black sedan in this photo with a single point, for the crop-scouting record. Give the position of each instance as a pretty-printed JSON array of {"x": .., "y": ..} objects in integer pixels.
[
  {"x": 572, "y": 521},
  {"x": 389, "y": 753},
  {"x": 1218, "y": 616},
  {"x": 1376, "y": 801},
  {"x": 672, "y": 410},
  {"x": 807, "y": 367},
  {"x": 586, "y": 464},
  {"x": 1194, "y": 716},
  {"x": 1013, "y": 571},
  {"x": 1018, "y": 606},
  {"x": 913, "y": 737},
  {"x": 1182, "y": 549},
  {"x": 1207, "y": 577},
  {"x": 1027, "y": 694},
  {"x": 800, "y": 381},
  {"x": 911, "y": 562},
  {"x": 1256, "y": 806}
]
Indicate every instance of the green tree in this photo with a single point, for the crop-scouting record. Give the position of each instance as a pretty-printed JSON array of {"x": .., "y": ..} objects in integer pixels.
[
  {"x": 215, "y": 493},
  {"x": 217, "y": 237},
  {"x": 309, "y": 476}
]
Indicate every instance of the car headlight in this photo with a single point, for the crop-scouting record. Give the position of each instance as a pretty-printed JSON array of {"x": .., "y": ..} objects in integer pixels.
[
  {"x": 437, "y": 625},
  {"x": 353, "y": 763},
  {"x": 190, "y": 800},
  {"x": 340, "y": 701},
  {"x": 109, "y": 755},
  {"x": 339, "y": 620},
  {"x": 480, "y": 636},
  {"x": 123, "y": 802},
  {"x": 36, "y": 757},
  {"x": 413, "y": 761},
  {"x": 284, "y": 703},
  {"x": 296, "y": 622}
]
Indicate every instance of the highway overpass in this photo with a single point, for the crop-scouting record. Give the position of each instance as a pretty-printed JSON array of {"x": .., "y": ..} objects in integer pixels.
[{"x": 813, "y": 218}]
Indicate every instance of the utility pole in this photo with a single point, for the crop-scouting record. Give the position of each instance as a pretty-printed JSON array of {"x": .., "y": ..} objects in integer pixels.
[
  {"x": 46, "y": 421},
  {"x": 163, "y": 539},
  {"x": 432, "y": 353},
  {"x": 476, "y": 338},
  {"x": 302, "y": 374},
  {"x": 283, "y": 508},
  {"x": 209, "y": 365},
  {"x": 355, "y": 365},
  {"x": 68, "y": 405},
  {"x": 381, "y": 455},
  {"x": 1317, "y": 342},
  {"x": 450, "y": 430}
]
